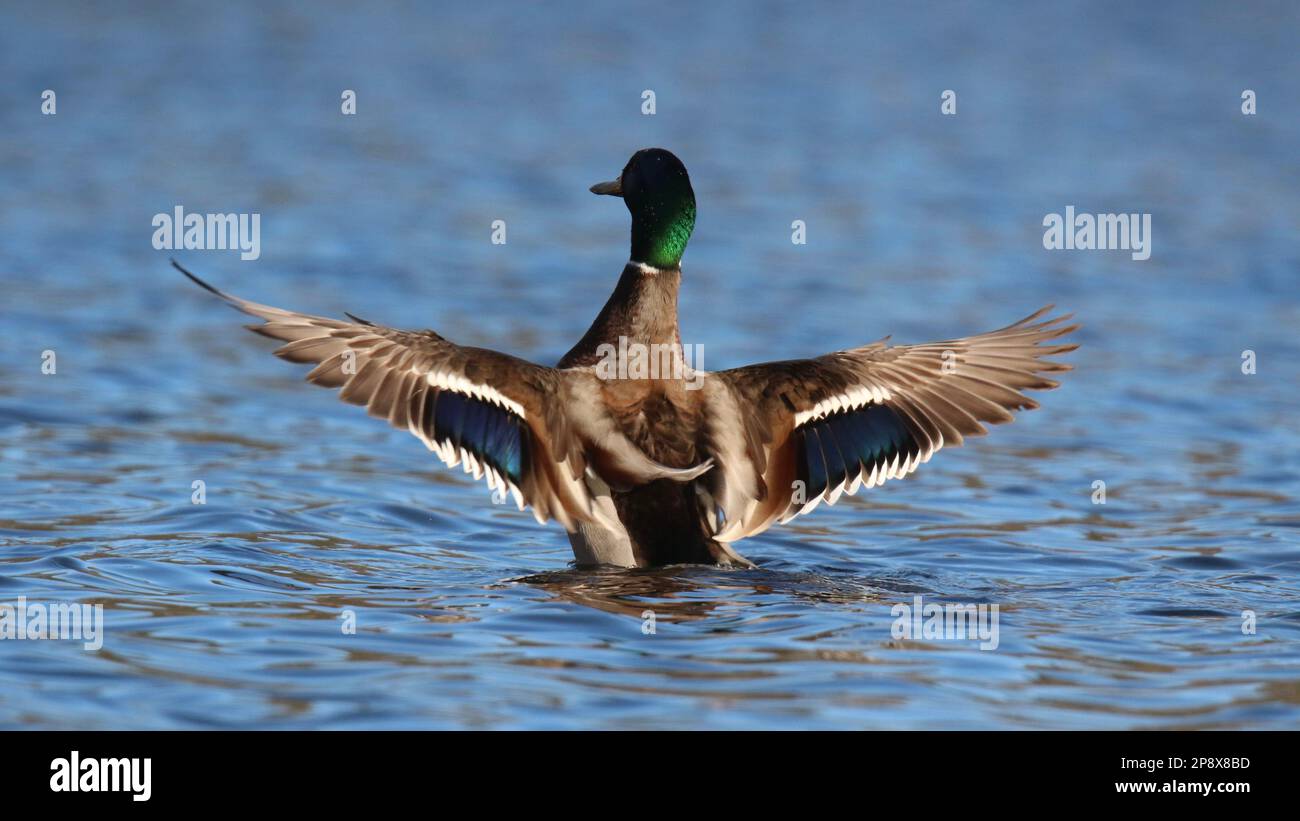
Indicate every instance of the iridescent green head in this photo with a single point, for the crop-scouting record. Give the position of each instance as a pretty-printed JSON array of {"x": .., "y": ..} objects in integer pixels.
[{"x": 657, "y": 191}]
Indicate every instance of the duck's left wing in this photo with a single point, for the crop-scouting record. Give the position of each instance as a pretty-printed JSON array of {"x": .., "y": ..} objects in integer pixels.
[
  {"x": 788, "y": 435},
  {"x": 534, "y": 432}
]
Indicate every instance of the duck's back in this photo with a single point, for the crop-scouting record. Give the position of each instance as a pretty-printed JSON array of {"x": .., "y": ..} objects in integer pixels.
[
  {"x": 660, "y": 414},
  {"x": 661, "y": 520}
]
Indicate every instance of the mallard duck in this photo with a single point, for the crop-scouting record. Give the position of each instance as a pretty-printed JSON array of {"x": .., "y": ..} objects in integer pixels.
[{"x": 646, "y": 470}]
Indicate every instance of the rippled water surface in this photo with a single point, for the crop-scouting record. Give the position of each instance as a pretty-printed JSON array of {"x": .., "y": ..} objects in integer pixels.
[{"x": 469, "y": 615}]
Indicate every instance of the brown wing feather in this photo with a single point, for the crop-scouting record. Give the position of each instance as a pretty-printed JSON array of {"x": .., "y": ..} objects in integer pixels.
[
  {"x": 402, "y": 376},
  {"x": 936, "y": 394}
]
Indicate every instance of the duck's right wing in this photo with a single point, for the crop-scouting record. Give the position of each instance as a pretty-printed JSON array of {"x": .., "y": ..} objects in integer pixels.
[
  {"x": 534, "y": 432},
  {"x": 788, "y": 435}
]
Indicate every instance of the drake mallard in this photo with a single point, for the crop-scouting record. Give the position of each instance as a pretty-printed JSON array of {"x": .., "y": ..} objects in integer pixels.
[{"x": 675, "y": 467}]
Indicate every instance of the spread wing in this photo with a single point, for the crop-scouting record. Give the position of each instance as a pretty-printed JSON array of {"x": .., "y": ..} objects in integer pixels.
[
  {"x": 539, "y": 434},
  {"x": 810, "y": 430}
]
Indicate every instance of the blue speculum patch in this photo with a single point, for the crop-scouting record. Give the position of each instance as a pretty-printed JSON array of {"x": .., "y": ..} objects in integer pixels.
[
  {"x": 490, "y": 432},
  {"x": 833, "y": 449}
]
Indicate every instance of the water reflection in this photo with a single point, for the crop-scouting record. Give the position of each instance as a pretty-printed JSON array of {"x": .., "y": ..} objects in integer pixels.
[{"x": 685, "y": 593}]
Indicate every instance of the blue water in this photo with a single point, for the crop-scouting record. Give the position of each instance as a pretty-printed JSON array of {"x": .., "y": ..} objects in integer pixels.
[{"x": 469, "y": 615}]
